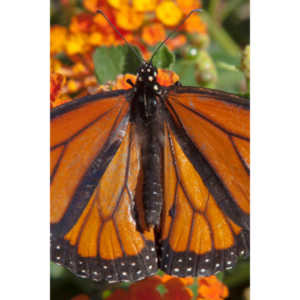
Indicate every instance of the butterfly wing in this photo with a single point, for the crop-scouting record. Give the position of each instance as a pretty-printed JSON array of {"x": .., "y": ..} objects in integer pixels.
[
  {"x": 95, "y": 169},
  {"x": 205, "y": 220}
]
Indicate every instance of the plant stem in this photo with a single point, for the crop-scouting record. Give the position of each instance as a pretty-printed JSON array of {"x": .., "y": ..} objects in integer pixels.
[
  {"x": 221, "y": 36},
  {"x": 230, "y": 6},
  {"x": 212, "y": 8}
]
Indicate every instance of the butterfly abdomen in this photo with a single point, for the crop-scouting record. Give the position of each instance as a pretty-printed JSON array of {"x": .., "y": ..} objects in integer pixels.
[{"x": 152, "y": 168}]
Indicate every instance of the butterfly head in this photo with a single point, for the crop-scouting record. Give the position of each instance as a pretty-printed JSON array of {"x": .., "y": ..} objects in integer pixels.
[{"x": 147, "y": 77}]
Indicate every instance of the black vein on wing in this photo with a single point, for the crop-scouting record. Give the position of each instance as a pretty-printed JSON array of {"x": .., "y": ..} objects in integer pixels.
[
  {"x": 239, "y": 155},
  {"x": 209, "y": 120}
]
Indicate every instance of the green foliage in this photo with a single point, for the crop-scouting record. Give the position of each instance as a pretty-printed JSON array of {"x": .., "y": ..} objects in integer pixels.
[
  {"x": 112, "y": 61},
  {"x": 164, "y": 58}
]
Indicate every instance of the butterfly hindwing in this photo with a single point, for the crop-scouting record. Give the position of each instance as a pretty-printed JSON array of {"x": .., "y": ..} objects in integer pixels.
[{"x": 94, "y": 226}]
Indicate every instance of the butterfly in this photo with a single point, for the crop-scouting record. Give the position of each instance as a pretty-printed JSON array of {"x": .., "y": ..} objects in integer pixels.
[{"x": 150, "y": 178}]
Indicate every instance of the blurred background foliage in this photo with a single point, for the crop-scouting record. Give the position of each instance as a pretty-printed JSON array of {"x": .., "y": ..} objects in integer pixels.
[{"x": 211, "y": 50}]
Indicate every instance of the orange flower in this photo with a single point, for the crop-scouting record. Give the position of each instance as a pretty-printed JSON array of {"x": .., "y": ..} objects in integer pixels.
[
  {"x": 166, "y": 77},
  {"x": 81, "y": 297},
  {"x": 119, "y": 294},
  {"x": 176, "y": 290},
  {"x": 56, "y": 83},
  {"x": 195, "y": 24},
  {"x": 121, "y": 82},
  {"x": 128, "y": 19},
  {"x": 145, "y": 289},
  {"x": 153, "y": 34},
  {"x": 92, "y": 5},
  {"x": 211, "y": 288},
  {"x": 168, "y": 13},
  {"x": 144, "y": 5},
  {"x": 81, "y": 23},
  {"x": 96, "y": 39},
  {"x": 100, "y": 20},
  {"x": 187, "y": 5},
  {"x": 176, "y": 42},
  {"x": 79, "y": 69},
  {"x": 58, "y": 36}
]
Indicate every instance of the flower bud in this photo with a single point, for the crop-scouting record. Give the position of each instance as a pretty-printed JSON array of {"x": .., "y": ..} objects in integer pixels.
[
  {"x": 245, "y": 62},
  {"x": 205, "y": 73}
]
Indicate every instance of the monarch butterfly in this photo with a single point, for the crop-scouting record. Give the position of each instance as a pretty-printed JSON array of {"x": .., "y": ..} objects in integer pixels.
[{"x": 150, "y": 177}]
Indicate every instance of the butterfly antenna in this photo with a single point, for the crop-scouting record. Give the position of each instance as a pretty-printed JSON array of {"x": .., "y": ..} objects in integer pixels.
[
  {"x": 120, "y": 35},
  {"x": 174, "y": 31}
]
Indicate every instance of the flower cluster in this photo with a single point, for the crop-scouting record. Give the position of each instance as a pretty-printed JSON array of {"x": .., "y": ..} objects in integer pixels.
[
  {"x": 58, "y": 90},
  {"x": 143, "y": 23},
  {"x": 168, "y": 288}
]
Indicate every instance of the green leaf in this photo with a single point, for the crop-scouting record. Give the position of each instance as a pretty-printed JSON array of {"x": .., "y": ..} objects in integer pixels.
[
  {"x": 112, "y": 61},
  {"x": 186, "y": 73},
  {"x": 164, "y": 58},
  {"x": 239, "y": 275}
]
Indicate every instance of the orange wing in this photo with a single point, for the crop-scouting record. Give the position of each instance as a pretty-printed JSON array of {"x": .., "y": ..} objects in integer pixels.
[
  {"x": 97, "y": 226},
  {"x": 205, "y": 219}
]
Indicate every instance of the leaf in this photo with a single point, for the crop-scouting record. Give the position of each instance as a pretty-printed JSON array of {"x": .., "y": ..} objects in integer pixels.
[
  {"x": 164, "y": 58},
  {"x": 186, "y": 73},
  {"x": 112, "y": 61}
]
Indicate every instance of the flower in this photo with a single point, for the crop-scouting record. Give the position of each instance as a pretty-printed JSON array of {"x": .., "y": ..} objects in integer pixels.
[
  {"x": 176, "y": 42},
  {"x": 143, "y": 23},
  {"x": 58, "y": 35},
  {"x": 195, "y": 24},
  {"x": 81, "y": 23},
  {"x": 77, "y": 43},
  {"x": 129, "y": 19},
  {"x": 118, "y": 294},
  {"x": 56, "y": 82},
  {"x": 166, "y": 77},
  {"x": 144, "y": 5},
  {"x": 153, "y": 34},
  {"x": 176, "y": 290},
  {"x": 168, "y": 13},
  {"x": 92, "y": 5},
  {"x": 187, "y": 6},
  {"x": 145, "y": 289},
  {"x": 210, "y": 288},
  {"x": 121, "y": 82}
]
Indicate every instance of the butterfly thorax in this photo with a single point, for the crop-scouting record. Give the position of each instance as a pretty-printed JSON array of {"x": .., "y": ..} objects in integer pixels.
[{"x": 147, "y": 91}]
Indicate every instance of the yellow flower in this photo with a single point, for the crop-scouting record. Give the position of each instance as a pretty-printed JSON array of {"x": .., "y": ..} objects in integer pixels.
[
  {"x": 129, "y": 19},
  {"x": 144, "y": 5},
  {"x": 58, "y": 36},
  {"x": 117, "y": 3},
  {"x": 168, "y": 13},
  {"x": 76, "y": 43},
  {"x": 96, "y": 39}
]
